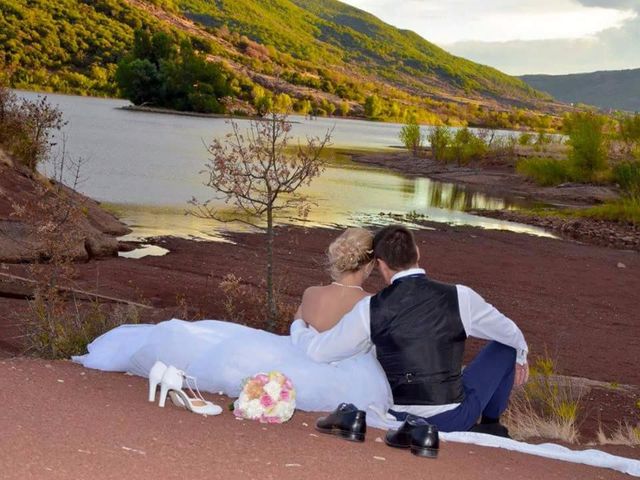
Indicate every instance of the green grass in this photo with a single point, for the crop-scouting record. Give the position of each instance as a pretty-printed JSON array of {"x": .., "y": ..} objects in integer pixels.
[
  {"x": 624, "y": 210},
  {"x": 627, "y": 176},
  {"x": 546, "y": 172}
]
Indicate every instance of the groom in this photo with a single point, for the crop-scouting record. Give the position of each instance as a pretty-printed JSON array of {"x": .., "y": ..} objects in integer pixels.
[{"x": 418, "y": 327}]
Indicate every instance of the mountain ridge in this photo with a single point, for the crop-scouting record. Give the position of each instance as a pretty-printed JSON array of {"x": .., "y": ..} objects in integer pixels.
[
  {"x": 323, "y": 50},
  {"x": 606, "y": 89}
]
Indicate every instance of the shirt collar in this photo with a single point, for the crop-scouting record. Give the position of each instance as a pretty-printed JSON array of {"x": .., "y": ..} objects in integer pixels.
[{"x": 406, "y": 273}]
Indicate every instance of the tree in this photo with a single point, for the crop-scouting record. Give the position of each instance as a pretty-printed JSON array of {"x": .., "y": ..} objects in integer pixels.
[
  {"x": 439, "y": 138},
  {"x": 344, "y": 108},
  {"x": 410, "y": 135},
  {"x": 159, "y": 73},
  {"x": 140, "y": 81},
  {"x": 303, "y": 107},
  {"x": 373, "y": 106},
  {"x": 283, "y": 103},
  {"x": 588, "y": 154},
  {"x": 466, "y": 147},
  {"x": 629, "y": 132},
  {"x": 259, "y": 175}
]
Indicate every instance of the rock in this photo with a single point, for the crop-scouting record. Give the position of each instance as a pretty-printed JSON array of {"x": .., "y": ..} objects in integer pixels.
[
  {"x": 621, "y": 265},
  {"x": 19, "y": 242}
]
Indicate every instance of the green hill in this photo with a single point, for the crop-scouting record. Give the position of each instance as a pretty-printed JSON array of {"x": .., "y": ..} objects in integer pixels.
[
  {"x": 617, "y": 90},
  {"x": 324, "y": 51}
]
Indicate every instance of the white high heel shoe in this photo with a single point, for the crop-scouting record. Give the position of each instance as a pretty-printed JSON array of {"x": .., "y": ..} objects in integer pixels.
[
  {"x": 171, "y": 384},
  {"x": 155, "y": 377}
]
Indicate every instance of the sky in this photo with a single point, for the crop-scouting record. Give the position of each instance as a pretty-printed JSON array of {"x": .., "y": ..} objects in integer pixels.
[{"x": 524, "y": 36}]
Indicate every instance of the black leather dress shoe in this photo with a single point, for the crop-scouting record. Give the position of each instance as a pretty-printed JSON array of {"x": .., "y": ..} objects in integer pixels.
[
  {"x": 418, "y": 435},
  {"x": 496, "y": 429},
  {"x": 346, "y": 421}
]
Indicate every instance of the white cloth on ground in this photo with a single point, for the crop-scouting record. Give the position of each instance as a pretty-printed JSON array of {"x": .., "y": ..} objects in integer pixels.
[{"x": 221, "y": 354}]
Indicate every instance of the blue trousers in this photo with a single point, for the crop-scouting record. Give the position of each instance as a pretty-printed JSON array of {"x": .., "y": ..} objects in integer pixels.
[{"x": 487, "y": 383}]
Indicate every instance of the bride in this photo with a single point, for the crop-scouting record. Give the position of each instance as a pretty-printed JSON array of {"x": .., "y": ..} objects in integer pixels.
[{"x": 221, "y": 354}]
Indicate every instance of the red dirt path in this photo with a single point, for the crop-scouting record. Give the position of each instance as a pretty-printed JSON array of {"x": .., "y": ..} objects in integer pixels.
[
  {"x": 60, "y": 421},
  {"x": 572, "y": 301}
]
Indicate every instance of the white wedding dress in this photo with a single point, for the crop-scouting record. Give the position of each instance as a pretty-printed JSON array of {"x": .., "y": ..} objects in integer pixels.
[{"x": 222, "y": 354}]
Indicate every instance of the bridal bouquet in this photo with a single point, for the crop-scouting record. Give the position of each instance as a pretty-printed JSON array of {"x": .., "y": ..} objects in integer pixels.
[{"x": 269, "y": 398}]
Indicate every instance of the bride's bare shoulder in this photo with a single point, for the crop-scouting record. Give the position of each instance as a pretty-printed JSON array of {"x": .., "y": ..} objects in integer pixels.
[{"x": 312, "y": 291}]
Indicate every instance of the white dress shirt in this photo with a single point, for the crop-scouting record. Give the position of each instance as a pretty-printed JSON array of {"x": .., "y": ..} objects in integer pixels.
[{"x": 352, "y": 335}]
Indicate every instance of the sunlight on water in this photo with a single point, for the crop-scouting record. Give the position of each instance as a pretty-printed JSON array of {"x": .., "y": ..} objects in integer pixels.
[{"x": 146, "y": 167}]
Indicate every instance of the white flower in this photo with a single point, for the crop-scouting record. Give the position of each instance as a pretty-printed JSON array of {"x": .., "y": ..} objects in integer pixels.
[
  {"x": 253, "y": 409},
  {"x": 272, "y": 388}
]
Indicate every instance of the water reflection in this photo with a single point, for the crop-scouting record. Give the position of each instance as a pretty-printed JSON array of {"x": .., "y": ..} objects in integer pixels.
[
  {"x": 456, "y": 197},
  {"x": 146, "y": 167}
]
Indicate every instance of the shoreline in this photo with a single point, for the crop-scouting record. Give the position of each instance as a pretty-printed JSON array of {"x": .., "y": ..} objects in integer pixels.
[
  {"x": 502, "y": 180},
  {"x": 45, "y": 92},
  {"x": 497, "y": 180}
]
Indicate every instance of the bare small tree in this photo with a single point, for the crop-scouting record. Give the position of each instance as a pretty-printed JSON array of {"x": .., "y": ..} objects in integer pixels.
[{"x": 260, "y": 174}]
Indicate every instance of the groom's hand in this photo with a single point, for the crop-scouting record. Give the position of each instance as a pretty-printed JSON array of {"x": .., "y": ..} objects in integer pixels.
[{"x": 522, "y": 374}]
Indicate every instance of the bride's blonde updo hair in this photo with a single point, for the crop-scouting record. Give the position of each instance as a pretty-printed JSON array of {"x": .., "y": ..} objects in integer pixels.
[{"x": 350, "y": 251}]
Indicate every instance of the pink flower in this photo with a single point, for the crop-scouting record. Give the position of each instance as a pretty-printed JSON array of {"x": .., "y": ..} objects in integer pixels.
[
  {"x": 262, "y": 378},
  {"x": 269, "y": 419},
  {"x": 266, "y": 401},
  {"x": 288, "y": 384},
  {"x": 284, "y": 395}
]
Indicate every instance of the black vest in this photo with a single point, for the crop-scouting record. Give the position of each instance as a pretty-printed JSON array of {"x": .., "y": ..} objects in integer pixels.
[{"x": 419, "y": 339}]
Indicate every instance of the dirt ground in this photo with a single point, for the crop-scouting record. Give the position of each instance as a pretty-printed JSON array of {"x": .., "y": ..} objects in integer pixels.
[
  {"x": 60, "y": 421},
  {"x": 577, "y": 304}
]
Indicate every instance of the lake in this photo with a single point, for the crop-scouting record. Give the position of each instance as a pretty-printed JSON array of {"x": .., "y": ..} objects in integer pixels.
[{"x": 145, "y": 167}]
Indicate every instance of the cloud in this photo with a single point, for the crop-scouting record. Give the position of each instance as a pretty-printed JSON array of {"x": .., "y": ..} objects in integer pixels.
[
  {"x": 612, "y": 49},
  {"x": 524, "y": 36},
  {"x": 449, "y": 21},
  {"x": 616, "y": 4}
]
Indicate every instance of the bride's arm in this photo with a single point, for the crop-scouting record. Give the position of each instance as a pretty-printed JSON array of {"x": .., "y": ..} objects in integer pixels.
[{"x": 349, "y": 337}]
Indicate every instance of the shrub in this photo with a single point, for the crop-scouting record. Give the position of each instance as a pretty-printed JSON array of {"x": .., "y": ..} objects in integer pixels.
[
  {"x": 625, "y": 434},
  {"x": 373, "y": 106},
  {"x": 466, "y": 147},
  {"x": 504, "y": 147},
  {"x": 543, "y": 138},
  {"x": 247, "y": 306},
  {"x": 547, "y": 407},
  {"x": 439, "y": 138},
  {"x": 627, "y": 175},
  {"x": 56, "y": 329},
  {"x": 411, "y": 137},
  {"x": 525, "y": 139},
  {"x": 547, "y": 172},
  {"x": 629, "y": 132},
  {"x": 588, "y": 154},
  {"x": 26, "y": 127}
]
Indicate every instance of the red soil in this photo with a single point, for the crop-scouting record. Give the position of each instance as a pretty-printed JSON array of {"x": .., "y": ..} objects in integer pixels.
[
  {"x": 60, "y": 421},
  {"x": 574, "y": 302}
]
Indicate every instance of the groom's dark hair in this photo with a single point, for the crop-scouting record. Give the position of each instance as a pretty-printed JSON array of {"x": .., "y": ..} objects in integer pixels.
[{"x": 396, "y": 246}]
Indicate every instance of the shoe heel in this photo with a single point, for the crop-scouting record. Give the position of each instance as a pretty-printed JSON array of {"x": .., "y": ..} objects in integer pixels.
[
  {"x": 164, "y": 389},
  {"x": 352, "y": 436},
  {"x": 153, "y": 386},
  {"x": 424, "y": 452}
]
